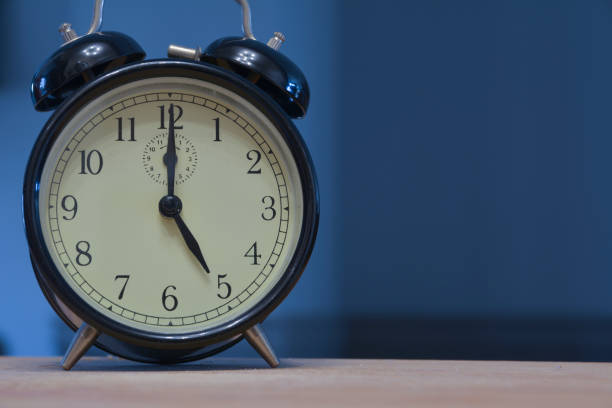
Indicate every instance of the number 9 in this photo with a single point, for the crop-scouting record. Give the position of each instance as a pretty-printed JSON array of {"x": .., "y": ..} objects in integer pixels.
[{"x": 73, "y": 206}]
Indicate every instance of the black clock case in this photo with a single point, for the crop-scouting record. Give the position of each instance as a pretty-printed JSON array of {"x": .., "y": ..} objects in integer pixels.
[{"x": 142, "y": 345}]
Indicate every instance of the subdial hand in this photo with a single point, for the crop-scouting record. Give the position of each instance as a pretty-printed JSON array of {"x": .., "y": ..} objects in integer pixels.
[{"x": 170, "y": 206}]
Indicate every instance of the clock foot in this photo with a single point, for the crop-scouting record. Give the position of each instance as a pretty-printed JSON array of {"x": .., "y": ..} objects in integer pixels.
[
  {"x": 81, "y": 342},
  {"x": 257, "y": 339}
]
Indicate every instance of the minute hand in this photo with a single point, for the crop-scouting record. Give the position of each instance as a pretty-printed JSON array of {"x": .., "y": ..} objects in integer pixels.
[
  {"x": 171, "y": 157},
  {"x": 191, "y": 242}
]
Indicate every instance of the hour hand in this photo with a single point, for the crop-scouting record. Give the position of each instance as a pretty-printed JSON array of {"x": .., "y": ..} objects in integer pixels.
[
  {"x": 191, "y": 242},
  {"x": 170, "y": 206}
]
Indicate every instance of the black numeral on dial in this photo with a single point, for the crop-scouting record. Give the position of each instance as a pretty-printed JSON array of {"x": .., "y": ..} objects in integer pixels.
[
  {"x": 169, "y": 301},
  {"x": 127, "y": 278},
  {"x": 84, "y": 257},
  {"x": 227, "y": 288},
  {"x": 252, "y": 253},
  {"x": 91, "y": 163},
  {"x": 178, "y": 113},
  {"x": 256, "y": 156},
  {"x": 69, "y": 204},
  {"x": 269, "y": 212},
  {"x": 120, "y": 130},
  {"x": 217, "y": 134}
]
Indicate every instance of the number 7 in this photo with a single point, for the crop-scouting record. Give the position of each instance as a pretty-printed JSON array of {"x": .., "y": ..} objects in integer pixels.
[{"x": 127, "y": 278}]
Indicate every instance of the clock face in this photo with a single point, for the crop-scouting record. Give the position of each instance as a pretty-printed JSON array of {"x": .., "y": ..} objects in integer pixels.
[{"x": 241, "y": 195}]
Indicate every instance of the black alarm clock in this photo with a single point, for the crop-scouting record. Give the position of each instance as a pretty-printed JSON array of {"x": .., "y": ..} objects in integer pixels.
[{"x": 171, "y": 204}]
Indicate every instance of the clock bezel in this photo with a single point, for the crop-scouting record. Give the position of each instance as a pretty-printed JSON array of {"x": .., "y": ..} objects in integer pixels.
[{"x": 48, "y": 273}]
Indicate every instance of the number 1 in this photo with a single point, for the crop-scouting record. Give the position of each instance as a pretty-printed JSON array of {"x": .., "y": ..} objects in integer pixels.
[{"x": 217, "y": 136}]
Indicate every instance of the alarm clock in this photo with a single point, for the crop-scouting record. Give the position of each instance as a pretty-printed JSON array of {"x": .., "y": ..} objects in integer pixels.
[{"x": 170, "y": 204}]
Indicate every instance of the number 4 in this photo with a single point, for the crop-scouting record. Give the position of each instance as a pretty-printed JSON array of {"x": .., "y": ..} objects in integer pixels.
[{"x": 252, "y": 253}]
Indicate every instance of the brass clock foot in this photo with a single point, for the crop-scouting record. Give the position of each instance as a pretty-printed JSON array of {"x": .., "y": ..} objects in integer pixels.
[
  {"x": 81, "y": 342},
  {"x": 257, "y": 339}
]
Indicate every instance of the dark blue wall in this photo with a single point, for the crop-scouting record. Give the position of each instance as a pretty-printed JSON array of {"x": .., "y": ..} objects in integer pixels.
[
  {"x": 463, "y": 151},
  {"x": 482, "y": 166},
  {"x": 474, "y": 167},
  {"x": 475, "y": 158}
]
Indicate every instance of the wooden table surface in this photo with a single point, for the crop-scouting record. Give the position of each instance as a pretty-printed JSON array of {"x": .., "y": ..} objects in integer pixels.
[{"x": 110, "y": 382}]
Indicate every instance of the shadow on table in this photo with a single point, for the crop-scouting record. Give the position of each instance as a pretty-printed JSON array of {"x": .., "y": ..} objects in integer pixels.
[{"x": 112, "y": 364}]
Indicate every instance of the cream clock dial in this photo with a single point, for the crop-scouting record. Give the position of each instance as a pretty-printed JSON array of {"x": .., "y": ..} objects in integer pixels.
[{"x": 99, "y": 205}]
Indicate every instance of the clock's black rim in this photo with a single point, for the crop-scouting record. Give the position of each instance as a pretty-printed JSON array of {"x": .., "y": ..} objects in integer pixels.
[{"x": 47, "y": 271}]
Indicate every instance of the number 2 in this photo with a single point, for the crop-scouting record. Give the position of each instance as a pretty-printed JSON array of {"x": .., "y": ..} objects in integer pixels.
[{"x": 257, "y": 158}]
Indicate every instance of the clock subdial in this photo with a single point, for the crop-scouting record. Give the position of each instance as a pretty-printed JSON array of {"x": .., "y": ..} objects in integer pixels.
[{"x": 153, "y": 158}]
